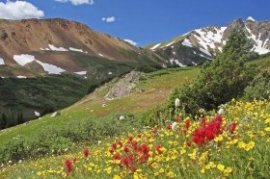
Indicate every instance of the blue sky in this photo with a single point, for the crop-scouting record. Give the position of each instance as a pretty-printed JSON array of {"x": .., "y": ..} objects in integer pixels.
[{"x": 152, "y": 21}]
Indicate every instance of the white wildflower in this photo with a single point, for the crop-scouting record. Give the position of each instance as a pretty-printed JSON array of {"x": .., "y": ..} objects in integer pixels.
[{"x": 177, "y": 102}]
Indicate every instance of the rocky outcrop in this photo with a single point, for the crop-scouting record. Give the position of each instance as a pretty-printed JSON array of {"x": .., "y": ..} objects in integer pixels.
[{"x": 124, "y": 85}]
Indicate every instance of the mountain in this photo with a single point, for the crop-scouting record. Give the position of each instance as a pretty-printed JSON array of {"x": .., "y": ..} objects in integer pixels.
[
  {"x": 53, "y": 46},
  {"x": 203, "y": 44}
]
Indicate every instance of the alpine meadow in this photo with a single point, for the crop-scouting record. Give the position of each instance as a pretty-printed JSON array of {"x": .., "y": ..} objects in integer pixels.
[{"x": 132, "y": 99}]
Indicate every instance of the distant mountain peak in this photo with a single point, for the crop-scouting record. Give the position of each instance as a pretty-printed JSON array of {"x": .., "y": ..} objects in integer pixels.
[{"x": 250, "y": 18}]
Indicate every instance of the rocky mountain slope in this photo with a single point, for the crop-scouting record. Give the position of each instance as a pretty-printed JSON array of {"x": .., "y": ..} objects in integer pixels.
[
  {"x": 203, "y": 44},
  {"x": 54, "y": 46}
]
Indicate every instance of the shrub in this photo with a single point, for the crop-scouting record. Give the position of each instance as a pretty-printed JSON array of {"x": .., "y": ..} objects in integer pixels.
[{"x": 259, "y": 87}]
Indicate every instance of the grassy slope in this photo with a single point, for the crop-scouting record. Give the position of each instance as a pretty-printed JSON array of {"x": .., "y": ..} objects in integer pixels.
[{"x": 157, "y": 86}]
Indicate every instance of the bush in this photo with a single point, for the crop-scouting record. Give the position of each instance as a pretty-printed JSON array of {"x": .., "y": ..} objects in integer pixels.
[
  {"x": 259, "y": 87},
  {"x": 223, "y": 79}
]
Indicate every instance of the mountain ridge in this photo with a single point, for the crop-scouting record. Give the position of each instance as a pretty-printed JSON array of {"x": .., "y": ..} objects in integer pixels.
[
  {"x": 200, "y": 45},
  {"x": 50, "y": 44}
]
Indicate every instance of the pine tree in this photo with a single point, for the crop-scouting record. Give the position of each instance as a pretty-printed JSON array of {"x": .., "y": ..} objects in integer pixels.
[
  {"x": 20, "y": 118},
  {"x": 221, "y": 80},
  {"x": 3, "y": 121}
]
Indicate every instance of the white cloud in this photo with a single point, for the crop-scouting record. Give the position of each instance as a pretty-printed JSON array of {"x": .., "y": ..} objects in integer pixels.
[
  {"x": 77, "y": 2},
  {"x": 19, "y": 10},
  {"x": 108, "y": 19},
  {"x": 131, "y": 42}
]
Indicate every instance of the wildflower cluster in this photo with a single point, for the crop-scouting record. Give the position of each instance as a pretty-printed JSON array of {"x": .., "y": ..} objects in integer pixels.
[{"x": 230, "y": 145}]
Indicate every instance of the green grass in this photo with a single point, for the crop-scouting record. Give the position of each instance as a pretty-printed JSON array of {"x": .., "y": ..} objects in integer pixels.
[{"x": 152, "y": 90}]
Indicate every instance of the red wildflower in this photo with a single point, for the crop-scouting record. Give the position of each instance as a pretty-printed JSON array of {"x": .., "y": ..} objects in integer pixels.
[
  {"x": 203, "y": 122},
  {"x": 68, "y": 165},
  {"x": 177, "y": 118},
  {"x": 155, "y": 130},
  {"x": 158, "y": 149},
  {"x": 126, "y": 149},
  {"x": 208, "y": 131},
  {"x": 114, "y": 146},
  {"x": 129, "y": 162},
  {"x": 144, "y": 149},
  {"x": 187, "y": 124},
  {"x": 111, "y": 151},
  {"x": 188, "y": 143},
  {"x": 130, "y": 137},
  {"x": 117, "y": 156},
  {"x": 139, "y": 135},
  {"x": 199, "y": 136},
  {"x": 120, "y": 143},
  {"x": 169, "y": 127},
  {"x": 232, "y": 127},
  {"x": 86, "y": 152},
  {"x": 134, "y": 145}
]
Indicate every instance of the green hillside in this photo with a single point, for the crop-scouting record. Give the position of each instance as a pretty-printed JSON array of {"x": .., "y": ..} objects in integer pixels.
[{"x": 93, "y": 118}]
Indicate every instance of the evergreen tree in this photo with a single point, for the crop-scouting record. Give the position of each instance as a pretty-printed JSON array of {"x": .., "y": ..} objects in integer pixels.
[
  {"x": 20, "y": 118},
  {"x": 221, "y": 80},
  {"x": 3, "y": 121}
]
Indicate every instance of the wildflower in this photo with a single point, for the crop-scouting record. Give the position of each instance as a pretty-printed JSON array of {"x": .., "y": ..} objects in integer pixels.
[
  {"x": 155, "y": 130},
  {"x": 159, "y": 149},
  {"x": 203, "y": 122},
  {"x": 117, "y": 156},
  {"x": 68, "y": 165},
  {"x": 86, "y": 152},
  {"x": 177, "y": 103},
  {"x": 227, "y": 171},
  {"x": 126, "y": 149},
  {"x": 116, "y": 177},
  {"x": 232, "y": 127},
  {"x": 174, "y": 126},
  {"x": 250, "y": 146},
  {"x": 193, "y": 155},
  {"x": 177, "y": 118},
  {"x": 108, "y": 170},
  {"x": 169, "y": 127},
  {"x": 210, "y": 165},
  {"x": 267, "y": 129},
  {"x": 221, "y": 111},
  {"x": 220, "y": 167},
  {"x": 114, "y": 146},
  {"x": 170, "y": 174}
]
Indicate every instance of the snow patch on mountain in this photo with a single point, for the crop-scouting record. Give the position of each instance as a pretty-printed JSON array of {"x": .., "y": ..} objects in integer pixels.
[
  {"x": 209, "y": 38},
  {"x": 259, "y": 45},
  {"x": 22, "y": 77},
  {"x": 24, "y": 59},
  {"x": 168, "y": 44},
  {"x": 176, "y": 62},
  {"x": 251, "y": 19},
  {"x": 156, "y": 46},
  {"x": 187, "y": 43},
  {"x": 59, "y": 49},
  {"x": 51, "y": 69},
  {"x": 76, "y": 49},
  {"x": 81, "y": 73}
]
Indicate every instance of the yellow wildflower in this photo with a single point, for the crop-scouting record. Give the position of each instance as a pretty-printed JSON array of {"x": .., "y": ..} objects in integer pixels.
[{"x": 220, "y": 167}]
